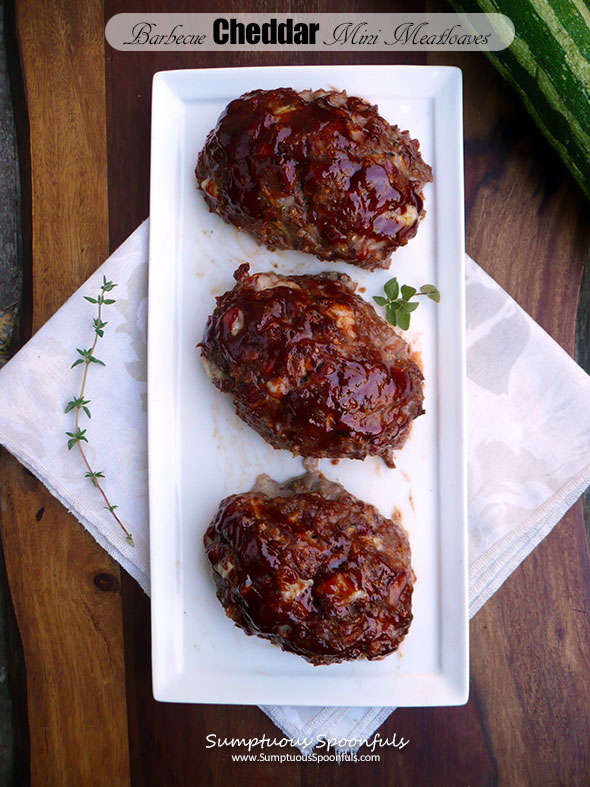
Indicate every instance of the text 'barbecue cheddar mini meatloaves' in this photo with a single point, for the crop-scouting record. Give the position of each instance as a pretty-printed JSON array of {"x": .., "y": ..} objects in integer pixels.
[
  {"x": 317, "y": 171},
  {"x": 313, "y": 569},
  {"x": 312, "y": 367}
]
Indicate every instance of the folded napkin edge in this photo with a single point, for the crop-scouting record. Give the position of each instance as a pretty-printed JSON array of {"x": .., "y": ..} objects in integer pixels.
[
  {"x": 491, "y": 569},
  {"x": 55, "y": 488}
]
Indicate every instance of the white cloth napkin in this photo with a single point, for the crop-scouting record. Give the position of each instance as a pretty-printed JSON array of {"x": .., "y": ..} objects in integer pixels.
[{"x": 528, "y": 441}]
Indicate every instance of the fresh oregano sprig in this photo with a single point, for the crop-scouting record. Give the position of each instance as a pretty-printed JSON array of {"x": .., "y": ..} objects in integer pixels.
[
  {"x": 398, "y": 309},
  {"x": 80, "y": 404}
]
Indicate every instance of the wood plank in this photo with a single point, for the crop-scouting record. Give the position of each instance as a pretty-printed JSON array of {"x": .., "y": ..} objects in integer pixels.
[
  {"x": 10, "y": 296},
  {"x": 62, "y": 53},
  {"x": 71, "y": 634},
  {"x": 71, "y": 629}
]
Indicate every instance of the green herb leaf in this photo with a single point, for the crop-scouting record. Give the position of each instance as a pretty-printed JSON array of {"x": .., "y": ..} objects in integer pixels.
[
  {"x": 408, "y": 307},
  {"x": 107, "y": 286},
  {"x": 431, "y": 292},
  {"x": 403, "y": 320},
  {"x": 80, "y": 403},
  {"x": 392, "y": 288},
  {"x": 407, "y": 292},
  {"x": 391, "y": 315},
  {"x": 398, "y": 310},
  {"x": 94, "y": 476},
  {"x": 75, "y": 437},
  {"x": 77, "y": 401}
]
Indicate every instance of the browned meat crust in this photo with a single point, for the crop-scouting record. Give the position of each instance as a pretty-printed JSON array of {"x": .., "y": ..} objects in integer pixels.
[
  {"x": 313, "y": 569},
  {"x": 312, "y": 367},
  {"x": 318, "y": 171}
]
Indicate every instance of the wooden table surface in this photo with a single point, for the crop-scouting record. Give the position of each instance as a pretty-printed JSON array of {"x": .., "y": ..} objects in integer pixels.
[{"x": 81, "y": 672}]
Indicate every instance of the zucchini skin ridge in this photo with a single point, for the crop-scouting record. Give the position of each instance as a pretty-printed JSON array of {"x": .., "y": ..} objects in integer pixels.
[{"x": 555, "y": 94}]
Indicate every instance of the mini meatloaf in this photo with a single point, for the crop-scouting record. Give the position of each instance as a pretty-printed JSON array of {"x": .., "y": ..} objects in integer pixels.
[
  {"x": 312, "y": 367},
  {"x": 313, "y": 569},
  {"x": 321, "y": 172}
]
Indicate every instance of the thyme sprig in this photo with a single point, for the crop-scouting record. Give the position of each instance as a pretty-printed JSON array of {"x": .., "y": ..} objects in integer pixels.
[
  {"x": 398, "y": 309},
  {"x": 80, "y": 404}
]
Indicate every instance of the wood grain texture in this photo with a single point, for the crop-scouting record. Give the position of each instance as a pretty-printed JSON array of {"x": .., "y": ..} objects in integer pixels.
[
  {"x": 71, "y": 633},
  {"x": 71, "y": 630},
  {"x": 62, "y": 53}
]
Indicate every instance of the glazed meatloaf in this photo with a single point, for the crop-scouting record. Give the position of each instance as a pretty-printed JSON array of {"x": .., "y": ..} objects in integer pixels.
[
  {"x": 313, "y": 569},
  {"x": 317, "y": 171},
  {"x": 312, "y": 367}
]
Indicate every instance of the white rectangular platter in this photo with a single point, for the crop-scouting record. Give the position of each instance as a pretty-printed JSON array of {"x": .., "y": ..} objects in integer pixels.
[{"x": 200, "y": 452}]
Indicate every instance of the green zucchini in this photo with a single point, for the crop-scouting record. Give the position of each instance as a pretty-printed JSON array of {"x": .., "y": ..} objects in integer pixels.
[{"x": 549, "y": 65}]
